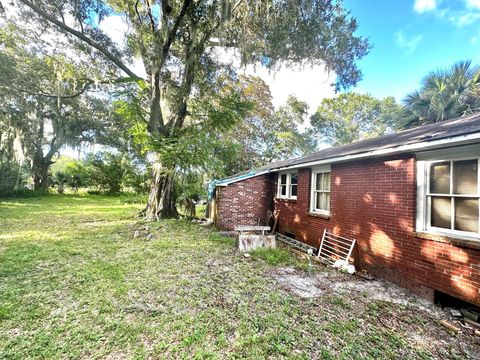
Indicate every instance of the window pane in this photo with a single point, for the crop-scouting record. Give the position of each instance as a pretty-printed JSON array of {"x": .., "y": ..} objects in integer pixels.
[
  {"x": 322, "y": 201},
  {"x": 326, "y": 181},
  {"x": 318, "y": 204},
  {"x": 465, "y": 177},
  {"x": 283, "y": 179},
  {"x": 441, "y": 212},
  {"x": 293, "y": 179},
  {"x": 318, "y": 181},
  {"x": 466, "y": 214},
  {"x": 283, "y": 190},
  {"x": 293, "y": 190},
  {"x": 440, "y": 178}
]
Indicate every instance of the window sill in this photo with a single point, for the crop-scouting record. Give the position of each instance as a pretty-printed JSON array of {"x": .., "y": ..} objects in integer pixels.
[
  {"x": 319, "y": 215},
  {"x": 463, "y": 241},
  {"x": 286, "y": 199}
]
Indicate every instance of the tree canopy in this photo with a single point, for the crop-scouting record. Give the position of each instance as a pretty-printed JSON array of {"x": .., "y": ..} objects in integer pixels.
[
  {"x": 45, "y": 100},
  {"x": 169, "y": 54},
  {"x": 351, "y": 117},
  {"x": 265, "y": 134}
]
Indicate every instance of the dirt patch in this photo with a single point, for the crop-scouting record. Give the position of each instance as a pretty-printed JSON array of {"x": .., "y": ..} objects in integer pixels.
[
  {"x": 307, "y": 285},
  {"x": 377, "y": 307},
  {"x": 300, "y": 284}
]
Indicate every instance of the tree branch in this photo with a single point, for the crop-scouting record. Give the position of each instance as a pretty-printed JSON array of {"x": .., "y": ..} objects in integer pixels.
[
  {"x": 149, "y": 13},
  {"x": 173, "y": 32},
  {"x": 41, "y": 93},
  {"x": 85, "y": 87},
  {"x": 82, "y": 37}
]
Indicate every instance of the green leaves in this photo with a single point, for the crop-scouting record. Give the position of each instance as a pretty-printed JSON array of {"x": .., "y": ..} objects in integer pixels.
[
  {"x": 48, "y": 99},
  {"x": 444, "y": 94},
  {"x": 264, "y": 134},
  {"x": 351, "y": 117},
  {"x": 306, "y": 31}
]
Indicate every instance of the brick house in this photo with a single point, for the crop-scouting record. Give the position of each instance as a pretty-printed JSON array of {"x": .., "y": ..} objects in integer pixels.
[{"x": 410, "y": 199}]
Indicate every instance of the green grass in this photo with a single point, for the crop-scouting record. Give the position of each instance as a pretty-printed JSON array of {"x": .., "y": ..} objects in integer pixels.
[
  {"x": 277, "y": 256},
  {"x": 81, "y": 277}
]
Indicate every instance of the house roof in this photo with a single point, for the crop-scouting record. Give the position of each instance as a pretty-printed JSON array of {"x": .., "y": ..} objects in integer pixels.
[{"x": 427, "y": 134}]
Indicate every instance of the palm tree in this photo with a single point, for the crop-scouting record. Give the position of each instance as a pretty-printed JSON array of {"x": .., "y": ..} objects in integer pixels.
[{"x": 444, "y": 94}]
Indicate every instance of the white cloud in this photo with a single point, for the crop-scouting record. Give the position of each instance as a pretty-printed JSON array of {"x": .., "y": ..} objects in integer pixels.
[
  {"x": 473, "y": 4},
  {"x": 460, "y": 13},
  {"x": 409, "y": 44},
  {"x": 422, "y": 6},
  {"x": 464, "y": 18},
  {"x": 473, "y": 40},
  {"x": 116, "y": 28},
  {"x": 310, "y": 84}
]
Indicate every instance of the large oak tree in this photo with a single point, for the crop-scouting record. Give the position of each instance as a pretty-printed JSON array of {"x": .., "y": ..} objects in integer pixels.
[
  {"x": 45, "y": 101},
  {"x": 178, "y": 42}
]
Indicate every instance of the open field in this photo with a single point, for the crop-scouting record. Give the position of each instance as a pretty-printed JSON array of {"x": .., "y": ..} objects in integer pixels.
[{"x": 83, "y": 277}]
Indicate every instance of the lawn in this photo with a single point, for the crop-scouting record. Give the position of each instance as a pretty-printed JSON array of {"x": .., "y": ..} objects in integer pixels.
[{"x": 83, "y": 277}]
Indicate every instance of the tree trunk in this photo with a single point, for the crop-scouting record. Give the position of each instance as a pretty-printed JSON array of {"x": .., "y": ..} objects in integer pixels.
[
  {"x": 190, "y": 208},
  {"x": 161, "y": 200},
  {"x": 40, "y": 178}
]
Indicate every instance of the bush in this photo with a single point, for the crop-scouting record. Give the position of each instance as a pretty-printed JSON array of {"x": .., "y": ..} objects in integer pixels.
[
  {"x": 69, "y": 172},
  {"x": 13, "y": 177},
  {"x": 112, "y": 173},
  {"x": 77, "y": 174},
  {"x": 60, "y": 179}
]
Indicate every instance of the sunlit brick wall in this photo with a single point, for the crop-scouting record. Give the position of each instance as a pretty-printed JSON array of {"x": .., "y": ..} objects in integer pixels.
[{"x": 374, "y": 202}]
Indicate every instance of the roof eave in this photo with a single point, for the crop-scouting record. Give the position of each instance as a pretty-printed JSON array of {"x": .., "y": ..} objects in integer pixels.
[
  {"x": 409, "y": 148},
  {"x": 415, "y": 147},
  {"x": 249, "y": 176}
]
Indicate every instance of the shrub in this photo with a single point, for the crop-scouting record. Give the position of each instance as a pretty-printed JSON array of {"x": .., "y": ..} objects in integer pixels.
[
  {"x": 60, "y": 179},
  {"x": 112, "y": 173},
  {"x": 13, "y": 177}
]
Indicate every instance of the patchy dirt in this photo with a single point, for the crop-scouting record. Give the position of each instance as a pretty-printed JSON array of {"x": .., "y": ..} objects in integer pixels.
[
  {"x": 300, "y": 284},
  {"x": 329, "y": 281},
  {"x": 396, "y": 309},
  {"x": 385, "y": 291}
]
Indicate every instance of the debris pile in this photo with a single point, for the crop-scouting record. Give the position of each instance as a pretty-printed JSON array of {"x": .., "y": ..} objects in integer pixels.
[{"x": 464, "y": 320}]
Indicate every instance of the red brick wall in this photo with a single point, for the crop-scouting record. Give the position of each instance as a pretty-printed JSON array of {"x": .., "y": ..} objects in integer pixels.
[
  {"x": 373, "y": 201},
  {"x": 246, "y": 202}
]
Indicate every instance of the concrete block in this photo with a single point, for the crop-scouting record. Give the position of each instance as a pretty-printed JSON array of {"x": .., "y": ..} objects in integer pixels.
[{"x": 247, "y": 242}]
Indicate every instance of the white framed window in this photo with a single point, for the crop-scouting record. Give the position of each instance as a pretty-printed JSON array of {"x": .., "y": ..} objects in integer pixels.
[
  {"x": 448, "y": 196},
  {"x": 287, "y": 185},
  {"x": 320, "y": 190}
]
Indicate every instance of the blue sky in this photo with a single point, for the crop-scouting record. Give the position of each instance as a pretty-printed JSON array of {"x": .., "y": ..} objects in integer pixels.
[{"x": 411, "y": 38}]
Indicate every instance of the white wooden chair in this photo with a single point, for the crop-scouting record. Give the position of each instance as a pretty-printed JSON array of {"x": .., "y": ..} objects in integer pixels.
[{"x": 334, "y": 247}]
